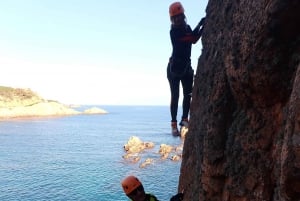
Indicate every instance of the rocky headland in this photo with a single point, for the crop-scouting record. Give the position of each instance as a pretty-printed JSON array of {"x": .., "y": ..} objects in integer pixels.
[{"x": 24, "y": 103}]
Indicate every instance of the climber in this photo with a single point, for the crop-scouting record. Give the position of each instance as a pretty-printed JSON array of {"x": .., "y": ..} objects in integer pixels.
[
  {"x": 179, "y": 67},
  {"x": 134, "y": 189}
]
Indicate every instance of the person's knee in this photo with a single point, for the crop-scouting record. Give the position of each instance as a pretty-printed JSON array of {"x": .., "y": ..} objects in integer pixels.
[{"x": 187, "y": 94}]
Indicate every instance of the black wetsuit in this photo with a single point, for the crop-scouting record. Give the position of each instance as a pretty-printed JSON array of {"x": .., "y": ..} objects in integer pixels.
[
  {"x": 150, "y": 197},
  {"x": 182, "y": 38}
]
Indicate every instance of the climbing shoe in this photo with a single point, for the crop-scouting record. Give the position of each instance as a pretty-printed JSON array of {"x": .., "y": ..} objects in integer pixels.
[
  {"x": 174, "y": 129},
  {"x": 184, "y": 122}
]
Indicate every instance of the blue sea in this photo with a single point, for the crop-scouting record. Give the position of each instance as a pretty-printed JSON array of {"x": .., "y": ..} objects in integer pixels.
[{"x": 80, "y": 157}]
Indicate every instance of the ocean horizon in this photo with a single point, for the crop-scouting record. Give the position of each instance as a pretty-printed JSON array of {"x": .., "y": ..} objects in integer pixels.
[{"x": 80, "y": 157}]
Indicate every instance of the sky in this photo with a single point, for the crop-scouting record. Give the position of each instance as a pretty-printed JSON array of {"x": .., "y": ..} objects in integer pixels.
[{"x": 91, "y": 51}]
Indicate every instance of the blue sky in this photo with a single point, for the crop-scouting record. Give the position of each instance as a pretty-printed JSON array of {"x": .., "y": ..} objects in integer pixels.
[{"x": 91, "y": 51}]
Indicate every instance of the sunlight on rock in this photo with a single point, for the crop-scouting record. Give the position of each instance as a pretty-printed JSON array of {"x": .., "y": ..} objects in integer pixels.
[
  {"x": 176, "y": 158},
  {"x": 183, "y": 131},
  {"x": 165, "y": 149},
  {"x": 135, "y": 150},
  {"x": 135, "y": 145}
]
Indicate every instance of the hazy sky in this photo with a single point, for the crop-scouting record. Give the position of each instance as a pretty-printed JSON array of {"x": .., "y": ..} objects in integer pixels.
[{"x": 91, "y": 51}]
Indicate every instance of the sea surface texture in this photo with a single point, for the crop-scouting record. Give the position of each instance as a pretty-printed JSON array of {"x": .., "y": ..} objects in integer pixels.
[{"x": 80, "y": 157}]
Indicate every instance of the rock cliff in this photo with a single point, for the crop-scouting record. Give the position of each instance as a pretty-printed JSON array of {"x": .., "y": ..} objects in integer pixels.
[{"x": 244, "y": 138}]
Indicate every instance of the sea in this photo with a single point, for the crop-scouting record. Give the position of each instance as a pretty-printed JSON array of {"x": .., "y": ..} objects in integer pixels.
[{"x": 80, "y": 157}]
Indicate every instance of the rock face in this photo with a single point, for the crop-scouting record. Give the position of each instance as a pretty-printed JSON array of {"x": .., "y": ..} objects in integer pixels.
[{"x": 244, "y": 138}]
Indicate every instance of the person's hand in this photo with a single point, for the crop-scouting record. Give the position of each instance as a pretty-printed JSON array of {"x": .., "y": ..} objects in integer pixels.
[
  {"x": 202, "y": 21},
  {"x": 177, "y": 197}
]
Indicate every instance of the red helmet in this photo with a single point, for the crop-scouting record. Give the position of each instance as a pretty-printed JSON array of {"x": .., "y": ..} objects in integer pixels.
[
  {"x": 130, "y": 183},
  {"x": 175, "y": 9}
]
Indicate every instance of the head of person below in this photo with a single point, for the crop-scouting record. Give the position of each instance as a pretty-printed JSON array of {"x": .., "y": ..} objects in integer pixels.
[{"x": 134, "y": 189}]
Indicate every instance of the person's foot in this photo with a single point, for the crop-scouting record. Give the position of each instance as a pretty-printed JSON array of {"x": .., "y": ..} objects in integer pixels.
[
  {"x": 174, "y": 129},
  {"x": 184, "y": 122}
]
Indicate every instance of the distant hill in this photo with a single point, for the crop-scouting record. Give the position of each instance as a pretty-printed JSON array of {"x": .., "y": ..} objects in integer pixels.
[
  {"x": 17, "y": 102},
  {"x": 14, "y": 97}
]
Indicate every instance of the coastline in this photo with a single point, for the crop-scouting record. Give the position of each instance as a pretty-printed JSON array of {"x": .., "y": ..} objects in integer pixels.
[
  {"x": 44, "y": 109},
  {"x": 24, "y": 103}
]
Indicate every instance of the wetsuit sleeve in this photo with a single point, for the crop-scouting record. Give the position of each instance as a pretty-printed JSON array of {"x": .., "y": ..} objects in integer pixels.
[
  {"x": 199, "y": 28},
  {"x": 193, "y": 36}
]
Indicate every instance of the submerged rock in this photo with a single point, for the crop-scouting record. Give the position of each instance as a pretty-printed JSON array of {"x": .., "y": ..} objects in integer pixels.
[{"x": 147, "y": 162}]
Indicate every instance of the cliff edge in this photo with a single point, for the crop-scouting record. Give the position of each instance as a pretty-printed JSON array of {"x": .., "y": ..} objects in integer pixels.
[{"x": 243, "y": 142}]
